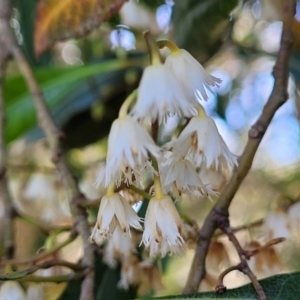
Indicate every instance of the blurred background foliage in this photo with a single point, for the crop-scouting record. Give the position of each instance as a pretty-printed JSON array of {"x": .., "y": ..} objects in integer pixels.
[{"x": 85, "y": 81}]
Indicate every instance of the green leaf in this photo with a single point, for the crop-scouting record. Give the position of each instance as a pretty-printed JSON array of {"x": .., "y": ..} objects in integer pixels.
[
  {"x": 26, "y": 12},
  {"x": 57, "y": 86},
  {"x": 109, "y": 290},
  {"x": 278, "y": 287}
]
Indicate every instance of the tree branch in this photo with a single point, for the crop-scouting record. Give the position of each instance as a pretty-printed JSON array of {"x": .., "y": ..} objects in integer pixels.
[
  {"x": 43, "y": 255},
  {"x": 256, "y": 133},
  {"x": 46, "y": 265},
  {"x": 55, "y": 279},
  {"x": 8, "y": 233},
  {"x": 243, "y": 266},
  {"x": 55, "y": 138}
]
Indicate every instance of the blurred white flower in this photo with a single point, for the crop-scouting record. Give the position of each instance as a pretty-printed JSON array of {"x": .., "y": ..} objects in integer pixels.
[
  {"x": 130, "y": 272},
  {"x": 294, "y": 216},
  {"x": 160, "y": 95},
  {"x": 128, "y": 146},
  {"x": 212, "y": 178},
  {"x": 162, "y": 228},
  {"x": 276, "y": 224},
  {"x": 151, "y": 279},
  {"x": 143, "y": 274},
  {"x": 266, "y": 262},
  {"x": 12, "y": 290},
  {"x": 217, "y": 257},
  {"x": 35, "y": 292},
  {"x": 181, "y": 177},
  {"x": 118, "y": 245},
  {"x": 190, "y": 73},
  {"x": 44, "y": 198},
  {"x": 88, "y": 188},
  {"x": 114, "y": 211},
  {"x": 201, "y": 142}
]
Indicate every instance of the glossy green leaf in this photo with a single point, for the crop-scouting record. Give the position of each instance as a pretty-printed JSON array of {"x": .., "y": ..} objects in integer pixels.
[{"x": 278, "y": 287}]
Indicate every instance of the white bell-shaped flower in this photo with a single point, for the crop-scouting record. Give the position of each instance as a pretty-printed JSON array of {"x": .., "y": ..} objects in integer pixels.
[
  {"x": 180, "y": 176},
  {"x": 212, "y": 178},
  {"x": 114, "y": 211},
  {"x": 128, "y": 146},
  {"x": 190, "y": 73},
  {"x": 201, "y": 142},
  {"x": 162, "y": 228},
  {"x": 160, "y": 95}
]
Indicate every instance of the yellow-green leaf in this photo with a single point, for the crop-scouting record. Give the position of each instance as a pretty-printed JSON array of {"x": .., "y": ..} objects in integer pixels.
[{"x": 58, "y": 20}]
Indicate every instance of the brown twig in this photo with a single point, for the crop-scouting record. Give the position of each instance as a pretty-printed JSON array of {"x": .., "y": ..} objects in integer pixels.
[
  {"x": 220, "y": 287},
  {"x": 46, "y": 265},
  {"x": 244, "y": 255},
  {"x": 243, "y": 266},
  {"x": 242, "y": 227},
  {"x": 38, "y": 257},
  {"x": 55, "y": 279},
  {"x": 270, "y": 243},
  {"x": 256, "y": 133},
  {"x": 55, "y": 138},
  {"x": 8, "y": 233}
]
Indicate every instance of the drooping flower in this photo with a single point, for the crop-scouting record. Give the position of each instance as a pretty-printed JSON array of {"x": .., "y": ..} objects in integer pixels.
[
  {"x": 276, "y": 224},
  {"x": 87, "y": 186},
  {"x": 190, "y": 73},
  {"x": 180, "y": 176},
  {"x": 118, "y": 246},
  {"x": 212, "y": 178},
  {"x": 143, "y": 274},
  {"x": 201, "y": 142},
  {"x": 35, "y": 291},
  {"x": 128, "y": 146},
  {"x": 160, "y": 95},
  {"x": 162, "y": 228},
  {"x": 217, "y": 256},
  {"x": 131, "y": 273},
  {"x": 266, "y": 262},
  {"x": 114, "y": 211}
]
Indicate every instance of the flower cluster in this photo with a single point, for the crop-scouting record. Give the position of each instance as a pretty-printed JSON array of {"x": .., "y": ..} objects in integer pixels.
[{"x": 185, "y": 165}]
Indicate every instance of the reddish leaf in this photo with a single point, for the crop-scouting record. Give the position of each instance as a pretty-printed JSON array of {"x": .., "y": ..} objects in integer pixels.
[{"x": 62, "y": 19}]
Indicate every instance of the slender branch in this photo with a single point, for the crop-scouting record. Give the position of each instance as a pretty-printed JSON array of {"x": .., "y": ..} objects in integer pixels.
[
  {"x": 8, "y": 233},
  {"x": 270, "y": 243},
  {"x": 256, "y": 133},
  {"x": 242, "y": 227},
  {"x": 40, "y": 256},
  {"x": 220, "y": 287},
  {"x": 243, "y": 266},
  {"x": 55, "y": 279},
  {"x": 55, "y": 137},
  {"x": 46, "y": 265},
  {"x": 41, "y": 225}
]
